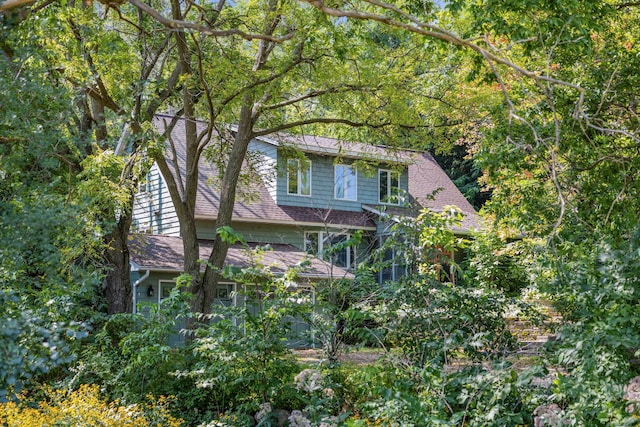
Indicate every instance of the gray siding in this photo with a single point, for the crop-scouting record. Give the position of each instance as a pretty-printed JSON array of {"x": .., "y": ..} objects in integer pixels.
[
  {"x": 153, "y": 211},
  {"x": 260, "y": 233},
  {"x": 322, "y": 186},
  {"x": 267, "y": 162}
]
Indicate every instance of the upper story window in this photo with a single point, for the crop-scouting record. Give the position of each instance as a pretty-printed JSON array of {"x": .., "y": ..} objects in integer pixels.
[
  {"x": 144, "y": 184},
  {"x": 332, "y": 247},
  {"x": 299, "y": 177},
  {"x": 389, "y": 184},
  {"x": 345, "y": 182}
]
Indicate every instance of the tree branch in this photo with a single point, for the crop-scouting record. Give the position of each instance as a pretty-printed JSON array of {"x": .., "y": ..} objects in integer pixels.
[
  {"x": 314, "y": 94},
  {"x": 12, "y": 4},
  {"x": 433, "y": 31},
  {"x": 181, "y": 25},
  {"x": 329, "y": 120}
]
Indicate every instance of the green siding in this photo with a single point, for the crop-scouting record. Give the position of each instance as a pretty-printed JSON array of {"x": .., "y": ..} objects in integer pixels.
[
  {"x": 260, "y": 233},
  {"x": 322, "y": 186}
]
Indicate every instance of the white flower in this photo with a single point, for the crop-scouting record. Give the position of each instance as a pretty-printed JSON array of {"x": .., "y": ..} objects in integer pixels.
[
  {"x": 329, "y": 422},
  {"x": 309, "y": 380},
  {"x": 297, "y": 419},
  {"x": 328, "y": 393},
  {"x": 265, "y": 409}
]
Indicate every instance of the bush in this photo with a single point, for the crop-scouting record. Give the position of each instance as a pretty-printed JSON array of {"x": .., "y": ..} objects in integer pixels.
[
  {"x": 240, "y": 353},
  {"x": 85, "y": 407},
  {"x": 130, "y": 357},
  {"x": 597, "y": 350}
]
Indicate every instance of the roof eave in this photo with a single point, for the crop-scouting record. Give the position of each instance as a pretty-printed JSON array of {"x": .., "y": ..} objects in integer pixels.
[{"x": 285, "y": 222}]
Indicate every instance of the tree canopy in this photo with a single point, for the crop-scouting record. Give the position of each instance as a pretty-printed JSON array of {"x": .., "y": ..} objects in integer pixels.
[{"x": 537, "y": 101}]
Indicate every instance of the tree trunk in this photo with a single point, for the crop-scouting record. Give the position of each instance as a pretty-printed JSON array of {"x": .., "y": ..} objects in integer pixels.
[
  {"x": 117, "y": 282},
  {"x": 227, "y": 200}
]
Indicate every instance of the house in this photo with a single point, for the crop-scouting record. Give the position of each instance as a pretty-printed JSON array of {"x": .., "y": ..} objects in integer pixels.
[{"x": 308, "y": 194}]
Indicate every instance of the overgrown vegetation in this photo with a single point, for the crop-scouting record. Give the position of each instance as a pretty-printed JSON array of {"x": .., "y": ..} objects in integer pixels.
[{"x": 538, "y": 99}]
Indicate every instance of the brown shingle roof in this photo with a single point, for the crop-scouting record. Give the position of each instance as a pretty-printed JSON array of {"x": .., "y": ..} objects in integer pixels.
[
  {"x": 431, "y": 188},
  {"x": 334, "y": 147},
  {"x": 429, "y": 185},
  {"x": 165, "y": 253}
]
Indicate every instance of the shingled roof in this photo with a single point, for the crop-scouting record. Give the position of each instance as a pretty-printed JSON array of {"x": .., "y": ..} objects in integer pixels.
[
  {"x": 165, "y": 253},
  {"x": 260, "y": 207},
  {"x": 429, "y": 185}
]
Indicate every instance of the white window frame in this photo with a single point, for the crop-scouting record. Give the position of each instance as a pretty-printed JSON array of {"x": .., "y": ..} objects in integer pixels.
[
  {"x": 229, "y": 288},
  {"x": 298, "y": 178},
  {"x": 345, "y": 181},
  {"x": 389, "y": 179},
  {"x": 323, "y": 237}
]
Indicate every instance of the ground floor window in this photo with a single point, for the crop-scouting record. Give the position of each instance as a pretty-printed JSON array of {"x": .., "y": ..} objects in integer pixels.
[
  {"x": 332, "y": 247},
  {"x": 165, "y": 287},
  {"x": 393, "y": 266}
]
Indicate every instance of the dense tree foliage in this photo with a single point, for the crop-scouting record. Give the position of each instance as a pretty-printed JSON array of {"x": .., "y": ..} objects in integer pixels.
[{"x": 537, "y": 101}]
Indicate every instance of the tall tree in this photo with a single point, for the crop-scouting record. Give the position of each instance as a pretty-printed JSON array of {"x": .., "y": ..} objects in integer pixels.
[
  {"x": 562, "y": 142},
  {"x": 298, "y": 70},
  {"x": 118, "y": 73}
]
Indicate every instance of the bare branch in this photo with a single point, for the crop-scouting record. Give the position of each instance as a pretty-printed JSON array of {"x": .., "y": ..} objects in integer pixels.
[
  {"x": 181, "y": 25},
  {"x": 329, "y": 120}
]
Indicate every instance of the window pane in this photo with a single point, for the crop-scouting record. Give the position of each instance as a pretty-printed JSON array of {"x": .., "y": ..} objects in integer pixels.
[
  {"x": 292, "y": 173},
  {"x": 311, "y": 241},
  {"x": 305, "y": 178},
  {"x": 339, "y": 181},
  {"x": 345, "y": 182},
  {"x": 339, "y": 255},
  {"x": 384, "y": 194},
  {"x": 395, "y": 182},
  {"x": 352, "y": 191}
]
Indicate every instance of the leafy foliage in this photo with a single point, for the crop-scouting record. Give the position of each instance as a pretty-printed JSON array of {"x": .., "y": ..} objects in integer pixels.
[
  {"x": 49, "y": 297},
  {"x": 598, "y": 347},
  {"x": 130, "y": 355},
  {"x": 85, "y": 406},
  {"x": 424, "y": 314},
  {"x": 241, "y": 356}
]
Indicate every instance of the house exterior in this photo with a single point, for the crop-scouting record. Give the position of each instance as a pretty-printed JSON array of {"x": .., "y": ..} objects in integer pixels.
[{"x": 308, "y": 194}]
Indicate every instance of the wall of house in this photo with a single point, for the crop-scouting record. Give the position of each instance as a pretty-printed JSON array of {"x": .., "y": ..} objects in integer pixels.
[
  {"x": 280, "y": 233},
  {"x": 252, "y": 232},
  {"x": 153, "y": 211},
  {"x": 267, "y": 162},
  {"x": 322, "y": 186}
]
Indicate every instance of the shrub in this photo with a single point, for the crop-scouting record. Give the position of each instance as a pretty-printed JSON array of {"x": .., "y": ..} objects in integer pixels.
[
  {"x": 240, "y": 354},
  {"x": 85, "y": 407},
  {"x": 130, "y": 357}
]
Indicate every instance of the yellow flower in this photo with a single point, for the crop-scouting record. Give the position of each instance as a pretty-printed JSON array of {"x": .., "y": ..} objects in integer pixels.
[{"x": 85, "y": 407}]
